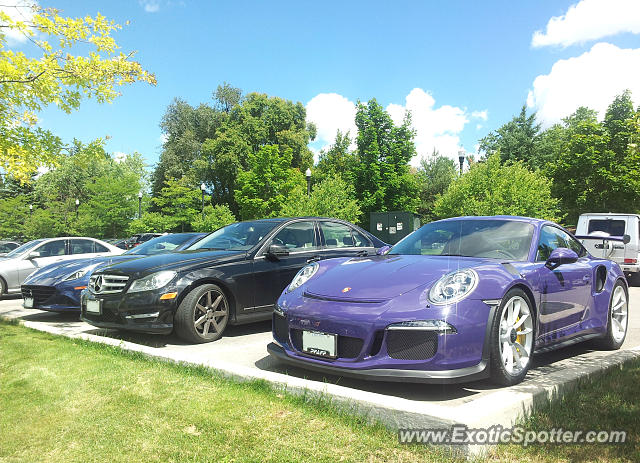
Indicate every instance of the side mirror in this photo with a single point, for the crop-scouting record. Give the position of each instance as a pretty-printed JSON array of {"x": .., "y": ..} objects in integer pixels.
[
  {"x": 276, "y": 251},
  {"x": 383, "y": 250},
  {"x": 33, "y": 255},
  {"x": 626, "y": 239},
  {"x": 560, "y": 256}
]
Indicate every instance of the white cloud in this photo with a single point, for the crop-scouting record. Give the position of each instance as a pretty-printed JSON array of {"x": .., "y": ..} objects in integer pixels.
[
  {"x": 592, "y": 79},
  {"x": 163, "y": 138},
  {"x": 590, "y": 20},
  {"x": 436, "y": 128},
  {"x": 17, "y": 10},
  {"x": 484, "y": 115},
  {"x": 150, "y": 6},
  {"x": 331, "y": 112}
]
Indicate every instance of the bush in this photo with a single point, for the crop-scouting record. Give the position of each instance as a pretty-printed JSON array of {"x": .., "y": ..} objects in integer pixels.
[
  {"x": 491, "y": 188},
  {"x": 214, "y": 217}
]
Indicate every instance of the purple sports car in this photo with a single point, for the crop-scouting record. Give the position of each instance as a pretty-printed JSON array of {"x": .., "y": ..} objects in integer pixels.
[{"x": 457, "y": 300}]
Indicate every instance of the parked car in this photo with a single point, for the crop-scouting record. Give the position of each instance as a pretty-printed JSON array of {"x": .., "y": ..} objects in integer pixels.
[
  {"x": 140, "y": 238},
  {"x": 25, "y": 259},
  {"x": 615, "y": 237},
  {"x": 121, "y": 243},
  {"x": 498, "y": 290},
  {"x": 232, "y": 276},
  {"x": 57, "y": 287},
  {"x": 7, "y": 246}
]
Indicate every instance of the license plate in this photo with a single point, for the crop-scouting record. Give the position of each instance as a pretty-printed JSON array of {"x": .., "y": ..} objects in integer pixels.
[
  {"x": 322, "y": 344},
  {"x": 93, "y": 306},
  {"x": 28, "y": 302}
]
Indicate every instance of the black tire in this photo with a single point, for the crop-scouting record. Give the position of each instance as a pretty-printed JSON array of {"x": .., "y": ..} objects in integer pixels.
[
  {"x": 499, "y": 371},
  {"x": 3, "y": 287},
  {"x": 612, "y": 341},
  {"x": 203, "y": 314}
]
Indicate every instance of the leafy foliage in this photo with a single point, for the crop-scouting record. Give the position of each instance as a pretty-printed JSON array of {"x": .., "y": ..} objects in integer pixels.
[
  {"x": 434, "y": 176},
  {"x": 214, "y": 217},
  {"x": 49, "y": 74},
  {"x": 598, "y": 169},
  {"x": 382, "y": 179},
  {"x": 490, "y": 188},
  {"x": 179, "y": 203},
  {"x": 267, "y": 185},
  {"x": 332, "y": 197}
]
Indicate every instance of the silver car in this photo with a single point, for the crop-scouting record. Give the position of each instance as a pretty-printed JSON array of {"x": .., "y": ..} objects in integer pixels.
[{"x": 22, "y": 261}]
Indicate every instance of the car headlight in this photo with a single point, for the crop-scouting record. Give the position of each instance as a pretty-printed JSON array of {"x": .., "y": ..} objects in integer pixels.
[
  {"x": 453, "y": 286},
  {"x": 153, "y": 281},
  {"x": 303, "y": 276},
  {"x": 80, "y": 273}
]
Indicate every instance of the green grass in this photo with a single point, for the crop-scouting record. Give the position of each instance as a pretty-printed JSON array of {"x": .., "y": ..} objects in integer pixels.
[
  {"x": 611, "y": 402},
  {"x": 64, "y": 400}
]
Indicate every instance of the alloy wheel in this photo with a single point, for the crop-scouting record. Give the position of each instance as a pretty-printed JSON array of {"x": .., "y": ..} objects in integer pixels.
[
  {"x": 515, "y": 335},
  {"x": 210, "y": 313},
  {"x": 619, "y": 311}
]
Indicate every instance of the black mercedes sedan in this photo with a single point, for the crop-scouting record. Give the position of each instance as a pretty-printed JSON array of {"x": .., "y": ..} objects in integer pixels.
[{"x": 232, "y": 276}]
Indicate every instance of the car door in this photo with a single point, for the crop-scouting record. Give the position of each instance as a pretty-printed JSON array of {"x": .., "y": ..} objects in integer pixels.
[
  {"x": 49, "y": 252},
  {"x": 340, "y": 240},
  {"x": 565, "y": 291},
  {"x": 80, "y": 248},
  {"x": 271, "y": 274}
]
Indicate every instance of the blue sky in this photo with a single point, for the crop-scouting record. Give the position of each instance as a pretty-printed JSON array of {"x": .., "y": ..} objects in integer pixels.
[{"x": 463, "y": 67}]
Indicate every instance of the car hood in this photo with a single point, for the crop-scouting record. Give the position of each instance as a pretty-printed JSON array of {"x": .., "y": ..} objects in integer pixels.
[
  {"x": 55, "y": 273},
  {"x": 177, "y": 261},
  {"x": 381, "y": 278}
]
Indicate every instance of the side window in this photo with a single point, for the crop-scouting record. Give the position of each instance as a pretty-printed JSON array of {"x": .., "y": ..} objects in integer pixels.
[
  {"x": 337, "y": 235},
  {"x": 81, "y": 246},
  {"x": 52, "y": 248},
  {"x": 99, "y": 247},
  {"x": 298, "y": 236},
  {"x": 552, "y": 238},
  {"x": 360, "y": 240}
]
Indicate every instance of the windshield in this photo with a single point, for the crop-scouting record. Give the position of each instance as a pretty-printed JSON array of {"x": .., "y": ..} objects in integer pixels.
[
  {"x": 240, "y": 236},
  {"x": 166, "y": 243},
  {"x": 24, "y": 248},
  {"x": 496, "y": 239}
]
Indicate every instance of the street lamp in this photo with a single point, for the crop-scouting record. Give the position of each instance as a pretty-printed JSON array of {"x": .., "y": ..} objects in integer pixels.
[
  {"x": 77, "y": 204},
  {"x": 202, "y": 187},
  {"x": 308, "y": 174},
  {"x": 461, "y": 159},
  {"x": 139, "y": 204},
  {"x": 30, "y": 210}
]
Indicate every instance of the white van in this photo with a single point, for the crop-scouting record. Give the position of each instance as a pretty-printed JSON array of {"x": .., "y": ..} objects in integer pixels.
[{"x": 612, "y": 236}]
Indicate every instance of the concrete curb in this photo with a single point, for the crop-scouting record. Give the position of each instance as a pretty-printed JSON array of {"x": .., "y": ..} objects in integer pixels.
[{"x": 505, "y": 407}]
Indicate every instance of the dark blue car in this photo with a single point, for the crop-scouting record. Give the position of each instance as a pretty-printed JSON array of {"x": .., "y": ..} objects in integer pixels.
[{"x": 57, "y": 287}]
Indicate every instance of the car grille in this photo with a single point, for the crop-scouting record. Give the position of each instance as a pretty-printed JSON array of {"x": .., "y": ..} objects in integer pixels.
[
  {"x": 280, "y": 328},
  {"x": 412, "y": 344},
  {"x": 38, "y": 293},
  {"x": 348, "y": 347},
  {"x": 107, "y": 284}
]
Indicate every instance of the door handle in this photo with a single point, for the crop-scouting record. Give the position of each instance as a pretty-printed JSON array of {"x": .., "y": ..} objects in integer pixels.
[
  {"x": 362, "y": 253},
  {"x": 313, "y": 259}
]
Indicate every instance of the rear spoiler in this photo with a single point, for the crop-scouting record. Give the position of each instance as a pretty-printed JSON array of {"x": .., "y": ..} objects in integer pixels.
[{"x": 622, "y": 239}]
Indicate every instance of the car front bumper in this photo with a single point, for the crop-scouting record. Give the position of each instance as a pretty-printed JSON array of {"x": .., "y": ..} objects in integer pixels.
[
  {"x": 142, "y": 312},
  {"x": 62, "y": 297},
  {"x": 467, "y": 374}
]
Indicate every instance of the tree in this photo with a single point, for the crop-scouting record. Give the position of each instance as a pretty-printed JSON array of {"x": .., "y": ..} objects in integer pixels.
[
  {"x": 598, "y": 168},
  {"x": 332, "y": 197},
  {"x": 434, "y": 176},
  {"x": 517, "y": 140},
  {"x": 178, "y": 202},
  {"x": 214, "y": 217},
  {"x": 14, "y": 212},
  {"x": 490, "y": 188},
  {"x": 337, "y": 160},
  {"x": 48, "y": 74},
  {"x": 381, "y": 175},
  {"x": 266, "y": 186}
]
